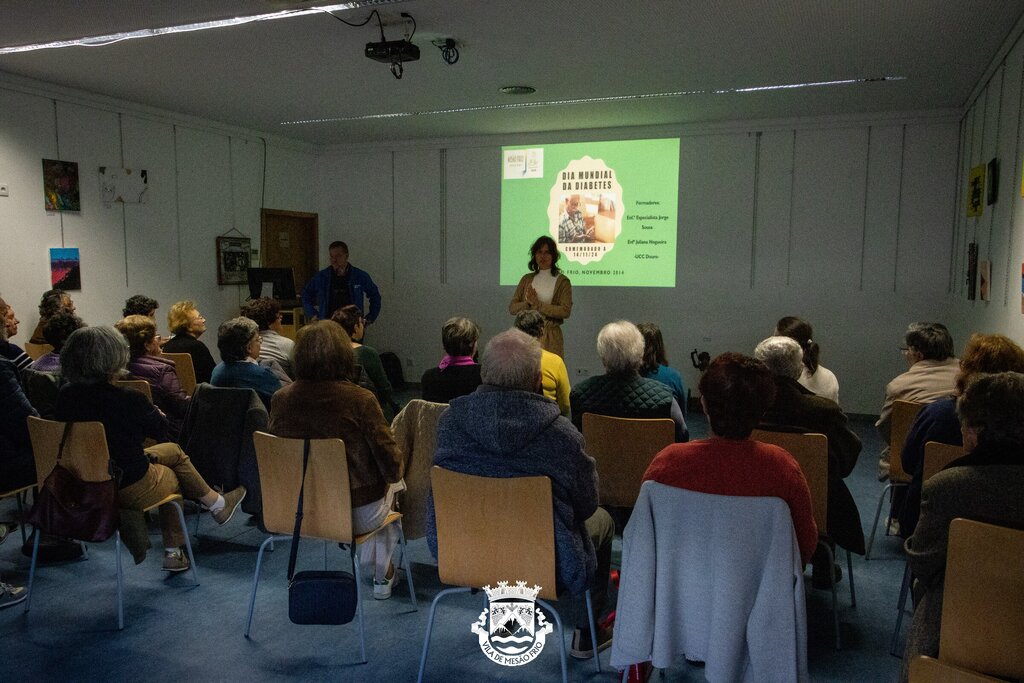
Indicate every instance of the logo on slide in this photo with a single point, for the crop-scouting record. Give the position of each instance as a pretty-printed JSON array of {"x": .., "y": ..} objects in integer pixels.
[
  {"x": 585, "y": 210},
  {"x": 511, "y": 628},
  {"x": 523, "y": 163}
]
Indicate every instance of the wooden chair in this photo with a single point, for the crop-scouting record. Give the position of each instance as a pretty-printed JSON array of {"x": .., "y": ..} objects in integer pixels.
[
  {"x": 903, "y": 415},
  {"x": 327, "y": 506},
  {"x": 811, "y": 452},
  {"x": 35, "y": 351},
  {"x": 927, "y": 670},
  {"x": 936, "y": 457},
  {"x": 623, "y": 449},
  {"x": 982, "y": 616},
  {"x": 491, "y": 530},
  {"x": 86, "y": 456},
  {"x": 139, "y": 385},
  {"x": 185, "y": 370}
]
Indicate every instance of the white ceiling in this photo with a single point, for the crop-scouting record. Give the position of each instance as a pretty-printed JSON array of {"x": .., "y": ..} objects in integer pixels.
[{"x": 261, "y": 74}]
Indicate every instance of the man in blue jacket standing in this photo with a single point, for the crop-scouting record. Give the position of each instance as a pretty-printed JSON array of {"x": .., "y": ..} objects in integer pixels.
[{"x": 340, "y": 284}]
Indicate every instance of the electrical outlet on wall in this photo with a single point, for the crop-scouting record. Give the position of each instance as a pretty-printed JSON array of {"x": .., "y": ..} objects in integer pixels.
[
  {"x": 582, "y": 372},
  {"x": 4, "y": 190}
]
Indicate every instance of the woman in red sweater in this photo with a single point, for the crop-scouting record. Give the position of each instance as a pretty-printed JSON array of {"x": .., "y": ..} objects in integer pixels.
[{"x": 735, "y": 392}]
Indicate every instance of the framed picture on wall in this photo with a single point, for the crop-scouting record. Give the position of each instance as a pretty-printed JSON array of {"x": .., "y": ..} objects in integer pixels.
[{"x": 233, "y": 260}]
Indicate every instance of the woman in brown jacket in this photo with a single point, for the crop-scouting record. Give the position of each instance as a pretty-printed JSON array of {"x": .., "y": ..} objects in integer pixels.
[
  {"x": 321, "y": 403},
  {"x": 547, "y": 290}
]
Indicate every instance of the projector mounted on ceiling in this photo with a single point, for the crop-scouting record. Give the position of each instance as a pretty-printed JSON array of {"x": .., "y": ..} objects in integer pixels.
[{"x": 391, "y": 51}]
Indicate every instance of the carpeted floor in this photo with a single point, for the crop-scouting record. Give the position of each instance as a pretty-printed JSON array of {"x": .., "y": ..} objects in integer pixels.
[{"x": 176, "y": 632}]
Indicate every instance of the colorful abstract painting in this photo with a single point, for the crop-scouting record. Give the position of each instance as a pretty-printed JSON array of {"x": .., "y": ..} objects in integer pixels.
[
  {"x": 61, "y": 190},
  {"x": 65, "y": 269}
]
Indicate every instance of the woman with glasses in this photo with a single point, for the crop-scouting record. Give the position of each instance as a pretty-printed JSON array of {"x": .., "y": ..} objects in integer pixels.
[{"x": 239, "y": 342}]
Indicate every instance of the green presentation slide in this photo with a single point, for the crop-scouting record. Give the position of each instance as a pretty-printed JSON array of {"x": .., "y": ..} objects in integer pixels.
[{"x": 612, "y": 208}]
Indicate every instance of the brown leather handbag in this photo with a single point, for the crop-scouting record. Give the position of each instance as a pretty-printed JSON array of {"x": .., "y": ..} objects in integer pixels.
[{"x": 67, "y": 506}]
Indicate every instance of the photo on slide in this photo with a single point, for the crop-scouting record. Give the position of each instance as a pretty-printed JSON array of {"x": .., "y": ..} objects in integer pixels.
[{"x": 612, "y": 208}]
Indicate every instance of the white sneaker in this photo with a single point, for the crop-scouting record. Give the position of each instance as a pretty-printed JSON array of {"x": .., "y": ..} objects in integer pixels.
[
  {"x": 382, "y": 589},
  {"x": 11, "y": 594}
]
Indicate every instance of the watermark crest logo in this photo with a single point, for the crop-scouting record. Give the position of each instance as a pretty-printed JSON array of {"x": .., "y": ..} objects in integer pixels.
[{"x": 511, "y": 629}]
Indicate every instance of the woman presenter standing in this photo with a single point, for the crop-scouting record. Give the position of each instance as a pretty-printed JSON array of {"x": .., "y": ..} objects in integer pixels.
[{"x": 547, "y": 290}]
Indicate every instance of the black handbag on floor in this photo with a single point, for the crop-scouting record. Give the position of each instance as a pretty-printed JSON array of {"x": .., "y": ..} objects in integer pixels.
[{"x": 317, "y": 597}]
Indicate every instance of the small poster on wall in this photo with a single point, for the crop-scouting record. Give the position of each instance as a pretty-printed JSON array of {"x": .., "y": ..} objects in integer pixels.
[
  {"x": 123, "y": 185},
  {"x": 985, "y": 279},
  {"x": 65, "y": 269},
  {"x": 60, "y": 185},
  {"x": 233, "y": 260}
]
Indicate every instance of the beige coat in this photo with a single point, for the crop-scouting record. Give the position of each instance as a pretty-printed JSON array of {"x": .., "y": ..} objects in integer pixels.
[
  {"x": 554, "y": 313},
  {"x": 925, "y": 382},
  {"x": 415, "y": 430}
]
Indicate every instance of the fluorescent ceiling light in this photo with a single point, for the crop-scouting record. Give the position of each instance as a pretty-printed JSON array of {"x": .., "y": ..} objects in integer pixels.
[
  {"x": 99, "y": 41},
  {"x": 590, "y": 100}
]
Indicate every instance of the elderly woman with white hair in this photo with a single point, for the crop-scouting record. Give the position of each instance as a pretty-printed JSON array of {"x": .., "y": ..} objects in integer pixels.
[
  {"x": 796, "y": 408},
  {"x": 93, "y": 357},
  {"x": 621, "y": 391}
]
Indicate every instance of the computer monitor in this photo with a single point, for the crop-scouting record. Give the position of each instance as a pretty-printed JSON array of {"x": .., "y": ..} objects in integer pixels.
[{"x": 282, "y": 280}]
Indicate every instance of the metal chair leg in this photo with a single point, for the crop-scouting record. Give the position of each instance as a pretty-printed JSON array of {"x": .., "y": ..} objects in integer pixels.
[
  {"x": 849, "y": 569},
  {"x": 561, "y": 639},
  {"x": 21, "y": 514},
  {"x": 900, "y": 602},
  {"x": 407, "y": 565},
  {"x": 188, "y": 543},
  {"x": 120, "y": 581},
  {"x": 835, "y": 602},
  {"x": 593, "y": 631},
  {"x": 874, "y": 525},
  {"x": 256, "y": 578},
  {"x": 359, "y": 602},
  {"x": 430, "y": 627},
  {"x": 32, "y": 567}
]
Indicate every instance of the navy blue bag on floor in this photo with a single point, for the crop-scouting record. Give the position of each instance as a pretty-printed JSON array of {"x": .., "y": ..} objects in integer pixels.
[{"x": 317, "y": 597}]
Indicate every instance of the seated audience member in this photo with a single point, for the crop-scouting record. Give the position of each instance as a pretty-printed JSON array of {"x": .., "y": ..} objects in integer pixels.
[
  {"x": 928, "y": 350},
  {"x": 58, "y": 328},
  {"x": 239, "y": 342},
  {"x": 552, "y": 367},
  {"x": 351, "y": 320},
  {"x": 92, "y": 358},
  {"x": 984, "y": 353},
  {"x": 507, "y": 428},
  {"x": 187, "y": 325},
  {"x": 52, "y": 302},
  {"x": 735, "y": 393},
  {"x": 795, "y": 408},
  {"x": 274, "y": 346},
  {"x": 147, "y": 363},
  {"x": 987, "y": 485},
  {"x": 813, "y": 376},
  {"x": 17, "y": 465},
  {"x": 8, "y": 329},
  {"x": 621, "y": 391},
  {"x": 140, "y": 304},
  {"x": 457, "y": 374},
  {"x": 655, "y": 363},
  {"x": 322, "y": 404}
]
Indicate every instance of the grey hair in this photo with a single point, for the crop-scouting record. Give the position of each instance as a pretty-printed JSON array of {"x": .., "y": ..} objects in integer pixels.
[
  {"x": 782, "y": 355},
  {"x": 511, "y": 360},
  {"x": 932, "y": 340},
  {"x": 93, "y": 355},
  {"x": 531, "y": 322},
  {"x": 233, "y": 336},
  {"x": 3, "y": 322},
  {"x": 993, "y": 404},
  {"x": 620, "y": 346},
  {"x": 459, "y": 336}
]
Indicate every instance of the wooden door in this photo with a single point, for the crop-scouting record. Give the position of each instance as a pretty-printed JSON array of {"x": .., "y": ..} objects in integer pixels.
[{"x": 290, "y": 239}]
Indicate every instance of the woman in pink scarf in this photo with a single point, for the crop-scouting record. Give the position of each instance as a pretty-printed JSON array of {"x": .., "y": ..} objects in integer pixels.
[{"x": 458, "y": 373}]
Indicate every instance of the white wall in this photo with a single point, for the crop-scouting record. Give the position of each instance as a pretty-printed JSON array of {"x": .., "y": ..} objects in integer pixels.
[
  {"x": 847, "y": 222},
  {"x": 204, "y": 179},
  {"x": 992, "y": 129}
]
